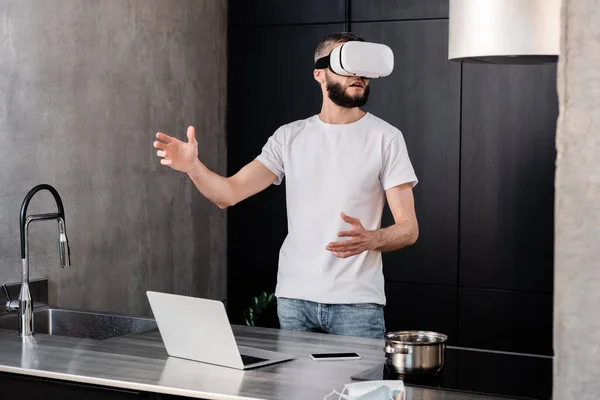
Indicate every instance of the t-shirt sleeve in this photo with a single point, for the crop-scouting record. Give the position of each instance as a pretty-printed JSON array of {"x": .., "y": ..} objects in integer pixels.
[
  {"x": 397, "y": 168},
  {"x": 272, "y": 155}
]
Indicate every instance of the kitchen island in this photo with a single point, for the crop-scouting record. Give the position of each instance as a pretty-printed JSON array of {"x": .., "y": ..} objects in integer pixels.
[{"x": 137, "y": 366}]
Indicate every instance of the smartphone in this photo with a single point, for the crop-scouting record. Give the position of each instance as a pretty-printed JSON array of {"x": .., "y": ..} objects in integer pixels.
[{"x": 334, "y": 356}]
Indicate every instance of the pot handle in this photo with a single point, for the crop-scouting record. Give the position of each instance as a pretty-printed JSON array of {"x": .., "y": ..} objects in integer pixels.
[{"x": 396, "y": 349}]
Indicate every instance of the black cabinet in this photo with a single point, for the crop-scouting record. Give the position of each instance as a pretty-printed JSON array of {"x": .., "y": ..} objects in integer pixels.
[
  {"x": 421, "y": 307},
  {"x": 380, "y": 10},
  {"x": 507, "y": 176},
  {"x": 280, "y": 12},
  {"x": 422, "y": 99},
  {"x": 505, "y": 320},
  {"x": 24, "y": 387},
  {"x": 270, "y": 84},
  {"x": 529, "y": 377}
]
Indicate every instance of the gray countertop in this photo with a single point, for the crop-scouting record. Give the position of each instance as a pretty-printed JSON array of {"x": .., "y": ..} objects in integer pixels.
[{"x": 140, "y": 362}]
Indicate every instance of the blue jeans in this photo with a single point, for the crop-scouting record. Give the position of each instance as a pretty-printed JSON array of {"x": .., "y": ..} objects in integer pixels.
[{"x": 364, "y": 319}]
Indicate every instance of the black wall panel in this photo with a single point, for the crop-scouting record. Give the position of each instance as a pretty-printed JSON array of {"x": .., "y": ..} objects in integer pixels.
[
  {"x": 507, "y": 176},
  {"x": 422, "y": 99},
  {"x": 422, "y": 307},
  {"x": 505, "y": 320},
  {"x": 280, "y": 12},
  {"x": 370, "y": 10},
  {"x": 270, "y": 84}
]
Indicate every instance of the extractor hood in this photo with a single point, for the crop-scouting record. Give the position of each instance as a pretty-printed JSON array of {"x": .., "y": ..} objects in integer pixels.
[{"x": 504, "y": 31}]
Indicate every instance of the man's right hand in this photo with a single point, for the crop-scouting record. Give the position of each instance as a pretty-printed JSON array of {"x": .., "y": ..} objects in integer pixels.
[
  {"x": 222, "y": 191},
  {"x": 175, "y": 153}
]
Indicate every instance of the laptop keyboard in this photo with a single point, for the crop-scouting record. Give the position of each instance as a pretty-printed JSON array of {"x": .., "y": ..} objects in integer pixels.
[{"x": 251, "y": 360}]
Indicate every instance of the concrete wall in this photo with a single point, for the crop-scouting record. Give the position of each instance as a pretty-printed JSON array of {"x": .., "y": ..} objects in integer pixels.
[
  {"x": 84, "y": 86},
  {"x": 577, "y": 270}
]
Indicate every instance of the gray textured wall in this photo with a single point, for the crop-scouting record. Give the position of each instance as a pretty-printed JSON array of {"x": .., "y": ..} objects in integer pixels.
[
  {"x": 577, "y": 271},
  {"x": 84, "y": 86}
]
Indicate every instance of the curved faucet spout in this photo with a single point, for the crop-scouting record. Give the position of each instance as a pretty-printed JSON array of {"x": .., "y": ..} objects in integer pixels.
[
  {"x": 25, "y": 303},
  {"x": 59, "y": 214}
]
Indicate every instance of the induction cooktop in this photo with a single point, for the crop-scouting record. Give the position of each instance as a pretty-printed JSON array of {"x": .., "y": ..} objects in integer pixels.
[{"x": 502, "y": 374}]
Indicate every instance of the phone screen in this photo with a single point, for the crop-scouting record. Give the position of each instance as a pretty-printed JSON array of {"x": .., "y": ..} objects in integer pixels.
[{"x": 334, "y": 355}]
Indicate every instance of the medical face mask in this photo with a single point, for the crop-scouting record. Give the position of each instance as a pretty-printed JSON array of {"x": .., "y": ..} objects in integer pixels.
[
  {"x": 372, "y": 390},
  {"x": 363, "y": 59}
]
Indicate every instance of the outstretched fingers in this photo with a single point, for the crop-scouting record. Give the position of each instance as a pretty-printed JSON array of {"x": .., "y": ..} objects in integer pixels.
[
  {"x": 160, "y": 145},
  {"x": 164, "y": 137}
]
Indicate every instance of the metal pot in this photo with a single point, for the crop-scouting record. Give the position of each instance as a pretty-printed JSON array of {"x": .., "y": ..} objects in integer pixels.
[{"x": 415, "y": 352}]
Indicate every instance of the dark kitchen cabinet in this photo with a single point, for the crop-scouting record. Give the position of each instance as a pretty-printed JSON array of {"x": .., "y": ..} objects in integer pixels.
[
  {"x": 280, "y": 12},
  {"x": 422, "y": 98},
  {"x": 505, "y": 320},
  {"x": 382, "y": 10},
  {"x": 507, "y": 176},
  {"x": 421, "y": 307},
  {"x": 270, "y": 84},
  {"x": 530, "y": 377},
  {"x": 24, "y": 387}
]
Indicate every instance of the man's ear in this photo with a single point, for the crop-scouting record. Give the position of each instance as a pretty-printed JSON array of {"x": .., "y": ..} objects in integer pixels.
[{"x": 319, "y": 75}]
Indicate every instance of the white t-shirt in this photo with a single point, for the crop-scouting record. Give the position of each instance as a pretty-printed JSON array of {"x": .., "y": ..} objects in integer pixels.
[{"x": 331, "y": 169}]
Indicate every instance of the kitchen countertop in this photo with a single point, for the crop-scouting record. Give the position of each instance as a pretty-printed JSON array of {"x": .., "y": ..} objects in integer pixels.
[{"x": 140, "y": 362}]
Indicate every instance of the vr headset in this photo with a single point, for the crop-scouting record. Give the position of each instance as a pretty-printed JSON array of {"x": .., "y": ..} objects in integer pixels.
[{"x": 364, "y": 59}]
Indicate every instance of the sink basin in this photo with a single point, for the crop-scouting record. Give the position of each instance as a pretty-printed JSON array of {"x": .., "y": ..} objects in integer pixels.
[{"x": 82, "y": 324}]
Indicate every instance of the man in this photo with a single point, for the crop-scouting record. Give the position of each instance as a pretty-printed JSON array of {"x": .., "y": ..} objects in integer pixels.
[{"x": 338, "y": 166}]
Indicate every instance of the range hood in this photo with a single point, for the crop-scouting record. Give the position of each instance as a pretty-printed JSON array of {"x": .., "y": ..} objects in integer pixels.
[{"x": 504, "y": 31}]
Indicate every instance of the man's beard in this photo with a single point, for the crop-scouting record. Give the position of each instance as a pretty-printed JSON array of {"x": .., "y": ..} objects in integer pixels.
[{"x": 338, "y": 95}]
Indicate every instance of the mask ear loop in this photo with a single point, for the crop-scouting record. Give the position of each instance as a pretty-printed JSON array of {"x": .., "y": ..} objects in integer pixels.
[{"x": 336, "y": 392}]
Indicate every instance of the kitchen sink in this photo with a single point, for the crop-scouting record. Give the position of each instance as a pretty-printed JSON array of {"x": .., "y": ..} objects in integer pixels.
[{"x": 82, "y": 324}]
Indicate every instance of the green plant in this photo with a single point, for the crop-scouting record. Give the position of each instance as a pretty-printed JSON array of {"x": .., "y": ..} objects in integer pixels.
[{"x": 257, "y": 306}]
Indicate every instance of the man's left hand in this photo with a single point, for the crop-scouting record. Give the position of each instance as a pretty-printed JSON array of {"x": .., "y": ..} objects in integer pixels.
[{"x": 360, "y": 239}]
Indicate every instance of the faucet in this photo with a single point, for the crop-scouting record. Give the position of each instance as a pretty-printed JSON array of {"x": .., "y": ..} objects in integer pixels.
[{"x": 24, "y": 304}]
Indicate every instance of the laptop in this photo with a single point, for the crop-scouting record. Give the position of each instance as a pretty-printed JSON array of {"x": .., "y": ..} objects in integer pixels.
[
  {"x": 192, "y": 375},
  {"x": 198, "y": 329}
]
